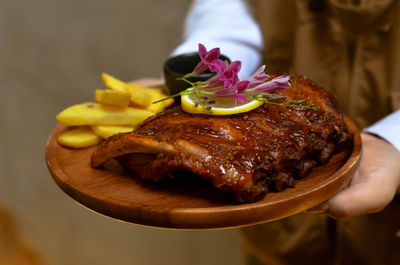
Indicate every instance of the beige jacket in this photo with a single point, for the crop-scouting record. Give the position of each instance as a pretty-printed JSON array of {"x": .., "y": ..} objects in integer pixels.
[
  {"x": 350, "y": 49},
  {"x": 354, "y": 51}
]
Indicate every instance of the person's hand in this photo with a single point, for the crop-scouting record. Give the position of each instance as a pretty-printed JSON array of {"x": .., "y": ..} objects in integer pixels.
[{"x": 373, "y": 186}]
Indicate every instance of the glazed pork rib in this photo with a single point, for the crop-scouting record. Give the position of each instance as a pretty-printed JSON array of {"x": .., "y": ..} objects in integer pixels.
[{"x": 245, "y": 154}]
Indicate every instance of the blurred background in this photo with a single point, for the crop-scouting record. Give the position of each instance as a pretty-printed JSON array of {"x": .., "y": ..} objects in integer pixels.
[{"x": 52, "y": 55}]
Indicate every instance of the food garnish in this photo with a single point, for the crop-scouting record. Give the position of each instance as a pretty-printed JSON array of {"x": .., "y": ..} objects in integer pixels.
[
  {"x": 190, "y": 103},
  {"x": 225, "y": 93},
  {"x": 116, "y": 110}
]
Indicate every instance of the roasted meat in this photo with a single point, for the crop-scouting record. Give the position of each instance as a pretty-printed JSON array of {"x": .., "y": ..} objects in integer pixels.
[{"x": 245, "y": 154}]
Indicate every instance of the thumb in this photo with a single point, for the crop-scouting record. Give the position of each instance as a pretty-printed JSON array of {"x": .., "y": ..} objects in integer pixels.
[{"x": 369, "y": 195}]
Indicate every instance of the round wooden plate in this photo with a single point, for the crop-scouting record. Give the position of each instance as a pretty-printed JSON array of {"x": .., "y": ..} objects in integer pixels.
[{"x": 188, "y": 202}]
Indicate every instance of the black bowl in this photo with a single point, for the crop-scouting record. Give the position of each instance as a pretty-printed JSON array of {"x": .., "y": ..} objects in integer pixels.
[{"x": 180, "y": 65}]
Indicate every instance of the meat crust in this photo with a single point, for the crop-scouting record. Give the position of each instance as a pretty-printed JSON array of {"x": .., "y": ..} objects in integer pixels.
[{"x": 245, "y": 154}]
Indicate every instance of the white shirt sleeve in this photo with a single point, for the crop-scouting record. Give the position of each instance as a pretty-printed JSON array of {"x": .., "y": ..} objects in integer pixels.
[
  {"x": 388, "y": 128},
  {"x": 227, "y": 25}
]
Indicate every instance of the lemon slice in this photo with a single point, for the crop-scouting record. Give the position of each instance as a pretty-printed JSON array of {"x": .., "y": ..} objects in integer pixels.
[{"x": 219, "y": 106}]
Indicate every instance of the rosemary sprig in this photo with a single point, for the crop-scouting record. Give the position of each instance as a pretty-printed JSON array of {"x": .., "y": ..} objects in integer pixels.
[{"x": 273, "y": 100}]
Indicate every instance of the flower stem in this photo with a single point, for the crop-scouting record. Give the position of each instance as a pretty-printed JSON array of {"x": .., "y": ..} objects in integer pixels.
[
  {"x": 185, "y": 79},
  {"x": 184, "y": 92}
]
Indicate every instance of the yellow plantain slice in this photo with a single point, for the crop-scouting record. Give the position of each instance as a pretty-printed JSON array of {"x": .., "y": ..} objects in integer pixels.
[
  {"x": 139, "y": 95},
  {"x": 92, "y": 113},
  {"x": 112, "y": 97},
  {"x": 156, "y": 94},
  {"x": 106, "y": 131},
  {"x": 113, "y": 83},
  {"x": 80, "y": 137},
  {"x": 168, "y": 102}
]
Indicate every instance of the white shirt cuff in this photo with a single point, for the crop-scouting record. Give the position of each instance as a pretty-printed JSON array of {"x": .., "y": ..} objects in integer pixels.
[{"x": 388, "y": 128}]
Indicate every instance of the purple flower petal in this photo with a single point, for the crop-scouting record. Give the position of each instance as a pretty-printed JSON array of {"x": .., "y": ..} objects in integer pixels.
[
  {"x": 242, "y": 85},
  {"x": 234, "y": 67},
  {"x": 277, "y": 84},
  {"x": 207, "y": 58},
  {"x": 211, "y": 56},
  {"x": 241, "y": 98},
  {"x": 229, "y": 75},
  {"x": 202, "y": 51},
  {"x": 218, "y": 66},
  {"x": 234, "y": 91},
  {"x": 230, "y": 82},
  {"x": 258, "y": 77},
  {"x": 201, "y": 67},
  {"x": 213, "y": 82}
]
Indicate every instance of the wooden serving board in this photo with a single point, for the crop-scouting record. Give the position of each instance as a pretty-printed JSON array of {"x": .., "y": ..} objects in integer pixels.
[{"x": 188, "y": 202}]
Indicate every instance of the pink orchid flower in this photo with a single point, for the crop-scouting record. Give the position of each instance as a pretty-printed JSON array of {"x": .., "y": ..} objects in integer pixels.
[
  {"x": 227, "y": 77},
  {"x": 217, "y": 66},
  {"x": 230, "y": 74},
  {"x": 207, "y": 58}
]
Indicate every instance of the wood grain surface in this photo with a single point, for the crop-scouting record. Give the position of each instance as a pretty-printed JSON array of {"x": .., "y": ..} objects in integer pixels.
[{"x": 187, "y": 201}]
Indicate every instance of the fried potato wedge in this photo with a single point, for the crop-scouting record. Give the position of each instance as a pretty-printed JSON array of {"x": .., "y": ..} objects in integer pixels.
[
  {"x": 113, "y": 83},
  {"x": 80, "y": 137},
  {"x": 139, "y": 96},
  {"x": 168, "y": 102},
  {"x": 156, "y": 94},
  {"x": 112, "y": 97},
  {"x": 105, "y": 131},
  {"x": 92, "y": 113}
]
